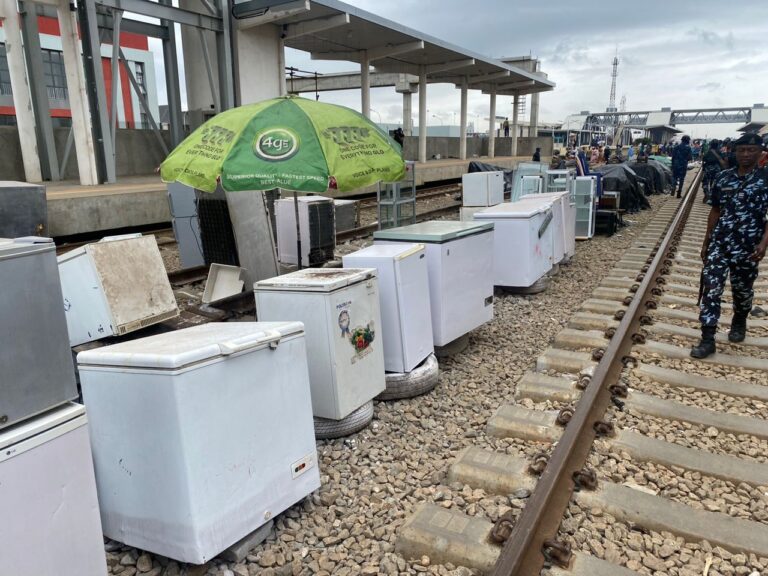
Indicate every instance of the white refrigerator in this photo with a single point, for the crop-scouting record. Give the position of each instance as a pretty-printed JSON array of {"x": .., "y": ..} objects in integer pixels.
[
  {"x": 200, "y": 435},
  {"x": 523, "y": 243},
  {"x": 341, "y": 315},
  {"x": 404, "y": 298},
  {"x": 460, "y": 269},
  {"x": 50, "y": 513},
  {"x": 564, "y": 222},
  {"x": 482, "y": 188}
]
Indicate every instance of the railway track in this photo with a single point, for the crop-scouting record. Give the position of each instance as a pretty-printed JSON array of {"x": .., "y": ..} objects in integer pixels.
[{"x": 638, "y": 459}]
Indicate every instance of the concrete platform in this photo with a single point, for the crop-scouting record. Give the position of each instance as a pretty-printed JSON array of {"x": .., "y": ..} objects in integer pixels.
[{"x": 142, "y": 200}]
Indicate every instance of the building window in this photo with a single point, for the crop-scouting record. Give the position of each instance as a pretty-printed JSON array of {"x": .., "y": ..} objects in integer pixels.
[
  {"x": 5, "y": 75},
  {"x": 140, "y": 78},
  {"x": 144, "y": 121},
  {"x": 55, "y": 76}
]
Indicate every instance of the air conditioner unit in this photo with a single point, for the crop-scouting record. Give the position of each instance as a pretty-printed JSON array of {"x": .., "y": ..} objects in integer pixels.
[{"x": 318, "y": 230}]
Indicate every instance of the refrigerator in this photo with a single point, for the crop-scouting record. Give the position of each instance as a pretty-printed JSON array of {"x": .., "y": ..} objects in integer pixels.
[
  {"x": 114, "y": 287},
  {"x": 585, "y": 196},
  {"x": 36, "y": 370},
  {"x": 564, "y": 222},
  {"x": 482, "y": 188},
  {"x": 201, "y": 435},
  {"x": 186, "y": 227},
  {"x": 404, "y": 300},
  {"x": 340, "y": 311},
  {"x": 460, "y": 270},
  {"x": 50, "y": 513},
  {"x": 317, "y": 226},
  {"x": 523, "y": 242}
]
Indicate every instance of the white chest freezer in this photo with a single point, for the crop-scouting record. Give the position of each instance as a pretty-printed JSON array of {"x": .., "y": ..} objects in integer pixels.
[
  {"x": 460, "y": 267},
  {"x": 564, "y": 210},
  {"x": 36, "y": 371},
  {"x": 200, "y": 435},
  {"x": 114, "y": 287},
  {"x": 523, "y": 244},
  {"x": 482, "y": 188},
  {"x": 340, "y": 312},
  {"x": 50, "y": 513},
  {"x": 404, "y": 298}
]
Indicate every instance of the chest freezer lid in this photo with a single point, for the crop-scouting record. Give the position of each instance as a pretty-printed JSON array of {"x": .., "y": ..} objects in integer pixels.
[
  {"x": 39, "y": 424},
  {"x": 316, "y": 279},
  {"x": 10, "y": 247},
  {"x": 434, "y": 231},
  {"x": 181, "y": 348},
  {"x": 386, "y": 251},
  {"x": 550, "y": 195},
  {"x": 514, "y": 210}
]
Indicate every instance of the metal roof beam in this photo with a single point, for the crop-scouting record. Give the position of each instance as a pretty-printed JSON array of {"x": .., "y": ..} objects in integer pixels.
[
  {"x": 446, "y": 66},
  {"x": 309, "y": 27},
  {"x": 382, "y": 52},
  {"x": 165, "y": 12},
  {"x": 516, "y": 85},
  {"x": 276, "y": 13}
]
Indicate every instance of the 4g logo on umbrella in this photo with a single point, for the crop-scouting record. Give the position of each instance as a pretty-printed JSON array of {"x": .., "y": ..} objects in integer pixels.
[{"x": 275, "y": 144}]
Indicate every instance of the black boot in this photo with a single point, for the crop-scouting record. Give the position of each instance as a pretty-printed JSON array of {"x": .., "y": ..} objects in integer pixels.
[
  {"x": 738, "y": 328},
  {"x": 707, "y": 345},
  {"x": 679, "y": 193}
]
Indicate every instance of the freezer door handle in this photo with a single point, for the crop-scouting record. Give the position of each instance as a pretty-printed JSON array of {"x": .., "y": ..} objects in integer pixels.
[{"x": 268, "y": 337}]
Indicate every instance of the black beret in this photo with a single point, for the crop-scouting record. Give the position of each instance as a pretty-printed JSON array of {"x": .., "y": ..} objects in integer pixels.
[{"x": 749, "y": 140}]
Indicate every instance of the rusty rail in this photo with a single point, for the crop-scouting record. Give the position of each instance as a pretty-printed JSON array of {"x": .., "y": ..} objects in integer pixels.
[{"x": 524, "y": 552}]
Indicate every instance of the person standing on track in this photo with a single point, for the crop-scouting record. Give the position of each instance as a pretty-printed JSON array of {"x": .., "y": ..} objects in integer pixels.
[
  {"x": 681, "y": 155},
  {"x": 714, "y": 163},
  {"x": 735, "y": 243}
]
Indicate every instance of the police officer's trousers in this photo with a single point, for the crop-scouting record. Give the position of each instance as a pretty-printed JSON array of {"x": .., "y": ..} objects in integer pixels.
[
  {"x": 718, "y": 266},
  {"x": 678, "y": 174}
]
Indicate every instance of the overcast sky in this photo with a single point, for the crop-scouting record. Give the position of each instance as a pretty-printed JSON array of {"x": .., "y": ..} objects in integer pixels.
[{"x": 683, "y": 53}]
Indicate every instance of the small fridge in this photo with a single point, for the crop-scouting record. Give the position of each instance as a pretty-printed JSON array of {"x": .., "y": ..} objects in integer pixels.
[
  {"x": 342, "y": 319},
  {"x": 565, "y": 223},
  {"x": 36, "y": 370},
  {"x": 114, "y": 287},
  {"x": 482, "y": 188},
  {"x": 50, "y": 513},
  {"x": 585, "y": 197},
  {"x": 186, "y": 227},
  {"x": 201, "y": 435},
  {"x": 317, "y": 227},
  {"x": 404, "y": 298},
  {"x": 523, "y": 243},
  {"x": 460, "y": 270}
]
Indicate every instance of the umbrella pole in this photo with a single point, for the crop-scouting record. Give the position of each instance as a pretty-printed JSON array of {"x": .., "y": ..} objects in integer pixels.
[{"x": 298, "y": 228}]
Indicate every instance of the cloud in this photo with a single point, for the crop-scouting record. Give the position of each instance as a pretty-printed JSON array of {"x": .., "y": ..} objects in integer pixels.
[
  {"x": 710, "y": 86},
  {"x": 712, "y": 38}
]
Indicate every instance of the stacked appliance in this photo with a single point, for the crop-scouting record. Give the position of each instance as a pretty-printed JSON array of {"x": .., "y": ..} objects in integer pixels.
[
  {"x": 216, "y": 231},
  {"x": 404, "y": 298},
  {"x": 565, "y": 224},
  {"x": 460, "y": 270},
  {"x": 397, "y": 200},
  {"x": 201, "y": 435},
  {"x": 317, "y": 227},
  {"x": 480, "y": 190},
  {"x": 114, "y": 287},
  {"x": 523, "y": 242},
  {"x": 528, "y": 179},
  {"x": 23, "y": 209},
  {"x": 341, "y": 316},
  {"x": 48, "y": 496}
]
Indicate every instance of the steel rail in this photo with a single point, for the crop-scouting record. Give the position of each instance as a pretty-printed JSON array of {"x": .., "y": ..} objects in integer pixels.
[{"x": 522, "y": 554}]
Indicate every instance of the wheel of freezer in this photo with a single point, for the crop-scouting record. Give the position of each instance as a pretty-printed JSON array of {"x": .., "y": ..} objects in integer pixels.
[
  {"x": 418, "y": 381},
  {"x": 326, "y": 429}
]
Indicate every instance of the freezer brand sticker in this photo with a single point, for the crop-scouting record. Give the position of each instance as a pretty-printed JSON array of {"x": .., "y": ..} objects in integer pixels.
[
  {"x": 344, "y": 323},
  {"x": 361, "y": 339}
]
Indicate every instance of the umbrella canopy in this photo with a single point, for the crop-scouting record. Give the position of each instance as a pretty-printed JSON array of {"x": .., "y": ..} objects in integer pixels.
[{"x": 290, "y": 143}]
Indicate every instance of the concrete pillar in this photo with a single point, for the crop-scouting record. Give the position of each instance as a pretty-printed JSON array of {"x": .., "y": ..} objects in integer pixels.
[
  {"x": 492, "y": 124},
  {"x": 260, "y": 70},
  {"x": 78, "y": 97},
  {"x": 423, "y": 114},
  {"x": 408, "y": 113},
  {"x": 199, "y": 95},
  {"x": 281, "y": 66},
  {"x": 463, "y": 121},
  {"x": 534, "y": 127},
  {"x": 365, "y": 84},
  {"x": 515, "y": 128},
  {"x": 22, "y": 100}
]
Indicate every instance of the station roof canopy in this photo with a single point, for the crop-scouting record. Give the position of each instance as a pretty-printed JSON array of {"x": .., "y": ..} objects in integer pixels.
[{"x": 333, "y": 30}]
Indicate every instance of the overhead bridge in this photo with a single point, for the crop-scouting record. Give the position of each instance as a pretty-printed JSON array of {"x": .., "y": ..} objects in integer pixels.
[{"x": 745, "y": 115}]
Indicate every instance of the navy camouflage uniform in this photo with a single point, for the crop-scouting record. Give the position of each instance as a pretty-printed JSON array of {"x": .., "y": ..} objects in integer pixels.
[
  {"x": 681, "y": 155},
  {"x": 712, "y": 170},
  {"x": 743, "y": 202}
]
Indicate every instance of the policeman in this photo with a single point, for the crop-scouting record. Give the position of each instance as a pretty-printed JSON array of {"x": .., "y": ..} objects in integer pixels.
[
  {"x": 681, "y": 155},
  {"x": 735, "y": 242}
]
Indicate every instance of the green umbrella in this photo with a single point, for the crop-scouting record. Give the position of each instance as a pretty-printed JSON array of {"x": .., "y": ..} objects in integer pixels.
[{"x": 290, "y": 143}]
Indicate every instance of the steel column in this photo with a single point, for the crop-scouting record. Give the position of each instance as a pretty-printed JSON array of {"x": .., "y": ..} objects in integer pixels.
[
  {"x": 116, "y": 19},
  {"x": 224, "y": 58},
  {"x": 175, "y": 120},
  {"x": 143, "y": 103},
  {"x": 422, "y": 113},
  {"x": 209, "y": 70}
]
